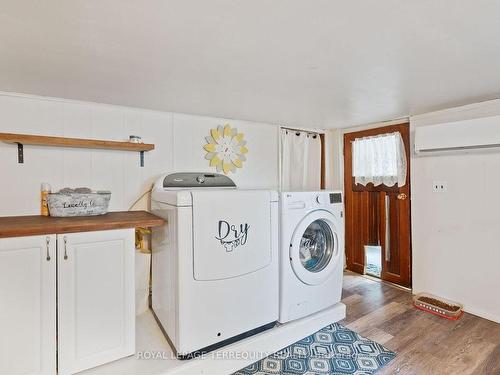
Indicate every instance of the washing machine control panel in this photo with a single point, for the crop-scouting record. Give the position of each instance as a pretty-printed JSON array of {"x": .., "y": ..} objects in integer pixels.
[
  {"x": 321, "y": 199},
  {"x": 335, "y": 198},
  {"x": 292, "y": 201},
  {"x": 330, "y": 198},
  {"x": 192, "y": 180}
]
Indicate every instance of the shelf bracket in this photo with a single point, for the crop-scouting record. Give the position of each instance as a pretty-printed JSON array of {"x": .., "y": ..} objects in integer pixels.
[
  {"x": 20, "y": 153},
  {"x": 141, "y": 157}
]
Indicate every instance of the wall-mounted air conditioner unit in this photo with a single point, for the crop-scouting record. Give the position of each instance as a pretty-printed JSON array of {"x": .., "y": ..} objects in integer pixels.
[{"x": 459, "y": 135}]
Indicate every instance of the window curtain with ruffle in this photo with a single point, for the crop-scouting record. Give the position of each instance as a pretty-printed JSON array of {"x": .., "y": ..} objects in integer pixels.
[{"x": 379, "y": 160}]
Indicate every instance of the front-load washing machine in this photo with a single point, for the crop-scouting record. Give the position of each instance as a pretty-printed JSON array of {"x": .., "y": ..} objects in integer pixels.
[
  {"x": 215, "y": 263},
  {"x": 312, "y": 252}
]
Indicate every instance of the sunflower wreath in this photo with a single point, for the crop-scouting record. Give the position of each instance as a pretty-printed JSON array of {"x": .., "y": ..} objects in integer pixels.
[{"x": 225, "y": 149}]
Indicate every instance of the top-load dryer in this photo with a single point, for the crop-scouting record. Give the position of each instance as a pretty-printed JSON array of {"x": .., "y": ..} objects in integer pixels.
[{"x": 215, "y": 263}]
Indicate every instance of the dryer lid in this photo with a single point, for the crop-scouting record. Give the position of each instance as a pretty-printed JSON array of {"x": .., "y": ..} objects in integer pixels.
[{"x": 231, "y": 233}]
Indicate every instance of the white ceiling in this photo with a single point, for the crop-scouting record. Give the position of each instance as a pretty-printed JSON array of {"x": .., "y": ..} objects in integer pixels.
[{"x": 309, "y": 63}]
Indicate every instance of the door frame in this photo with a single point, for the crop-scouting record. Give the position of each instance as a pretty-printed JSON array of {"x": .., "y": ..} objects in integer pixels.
[{"x": 350, "y": 188}]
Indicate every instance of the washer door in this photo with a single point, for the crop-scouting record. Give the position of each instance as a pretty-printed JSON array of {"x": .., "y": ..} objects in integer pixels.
[{"x": 314, "y": 248}]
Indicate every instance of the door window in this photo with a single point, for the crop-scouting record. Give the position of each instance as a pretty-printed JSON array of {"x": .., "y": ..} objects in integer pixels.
[
  {"x": 379, "y": 159},
  {"x": 316, "y": 246}
]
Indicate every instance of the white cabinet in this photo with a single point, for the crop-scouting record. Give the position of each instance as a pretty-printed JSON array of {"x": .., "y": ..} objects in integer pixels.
[
  {"x": 96, "y": 308},
  {"x": 95, "y": 301},
  {"x": 28, "y": 305}
]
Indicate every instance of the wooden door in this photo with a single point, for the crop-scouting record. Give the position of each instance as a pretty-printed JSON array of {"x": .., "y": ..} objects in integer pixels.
[
  {"x": 96, "y": 308},
  {"x": 28, "y": 305},
  {"x": 378, "y": 215}
]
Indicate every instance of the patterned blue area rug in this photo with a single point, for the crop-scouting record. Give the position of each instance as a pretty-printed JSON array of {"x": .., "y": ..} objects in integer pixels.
[{"x": 333, "y": 350}]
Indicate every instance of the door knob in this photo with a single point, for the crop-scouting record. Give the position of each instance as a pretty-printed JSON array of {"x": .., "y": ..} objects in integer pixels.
[{"x": 402, "y": 196}]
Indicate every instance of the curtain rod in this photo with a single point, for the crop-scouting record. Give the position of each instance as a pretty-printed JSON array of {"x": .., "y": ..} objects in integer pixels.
[{"x": 303, "y": 130}]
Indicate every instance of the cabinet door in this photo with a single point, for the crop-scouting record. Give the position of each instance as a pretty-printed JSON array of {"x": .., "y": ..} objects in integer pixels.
[
  {"x": 96, "y": 307},
  {"x": 28, "y": 305}
]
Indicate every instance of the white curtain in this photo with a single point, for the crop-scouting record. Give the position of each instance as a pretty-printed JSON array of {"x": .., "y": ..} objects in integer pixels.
[
  {"x": 380, "y": 160},
  {"x": 300, "y": 161}
]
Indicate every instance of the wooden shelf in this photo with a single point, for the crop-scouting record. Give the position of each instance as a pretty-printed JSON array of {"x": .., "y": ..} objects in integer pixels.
[
  {"x": 19, "y": 226},
  {"x": 40, "y": 140}
]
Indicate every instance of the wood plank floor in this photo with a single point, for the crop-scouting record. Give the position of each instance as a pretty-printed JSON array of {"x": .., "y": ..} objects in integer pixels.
[{"x": 426, "y": 344}]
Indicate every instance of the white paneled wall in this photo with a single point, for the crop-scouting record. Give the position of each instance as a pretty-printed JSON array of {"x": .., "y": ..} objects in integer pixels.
[
  {"x": 455, "y": 234},
  {"x": 178, "y": 138},
  {"x": 260, "y": 170}
]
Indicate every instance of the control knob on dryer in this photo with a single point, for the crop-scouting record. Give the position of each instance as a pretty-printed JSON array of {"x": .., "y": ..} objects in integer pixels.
[
  {"x": 321, "y": 199},
  {"x": 200, "y": 179}
]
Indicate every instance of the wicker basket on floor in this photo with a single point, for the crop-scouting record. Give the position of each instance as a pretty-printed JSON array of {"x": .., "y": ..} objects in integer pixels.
[{"x": 438, "y": 306}]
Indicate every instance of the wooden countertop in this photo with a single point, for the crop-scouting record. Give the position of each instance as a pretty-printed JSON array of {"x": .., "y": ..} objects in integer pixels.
[{"x": 20, "y": 226}]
